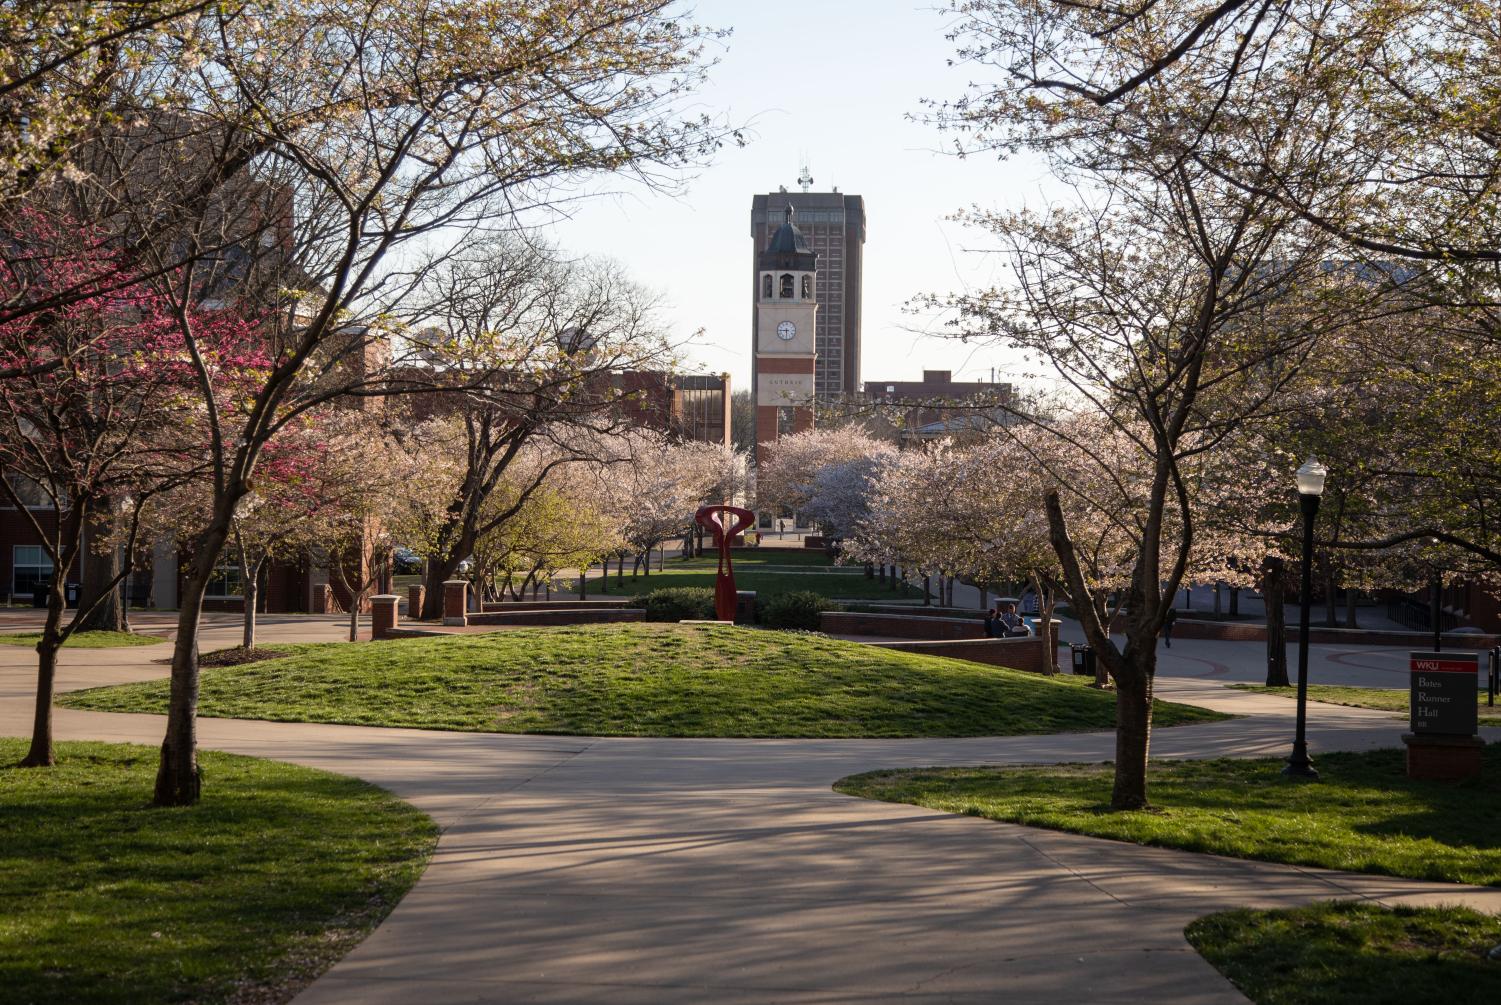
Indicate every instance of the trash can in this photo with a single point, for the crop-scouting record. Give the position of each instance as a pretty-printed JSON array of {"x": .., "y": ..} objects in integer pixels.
[
  {"x": 1083, "y": 659},
  {"x": 70, "y": 592}
]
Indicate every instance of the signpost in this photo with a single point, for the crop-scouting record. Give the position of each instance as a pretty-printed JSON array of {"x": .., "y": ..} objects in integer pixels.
[{"x": 1443, "y": 715}]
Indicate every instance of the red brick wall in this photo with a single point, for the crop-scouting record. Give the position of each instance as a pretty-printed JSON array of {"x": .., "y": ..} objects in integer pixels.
[
  {"x": 553, "y": 605},
  {"x": 1027, "y": 654},
  {"x": 558, "y": 617},
  {"x": 902, "y": 626}
]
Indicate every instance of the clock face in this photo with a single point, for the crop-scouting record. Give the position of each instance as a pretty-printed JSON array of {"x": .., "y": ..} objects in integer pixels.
[{"x": 786, "y": 331}]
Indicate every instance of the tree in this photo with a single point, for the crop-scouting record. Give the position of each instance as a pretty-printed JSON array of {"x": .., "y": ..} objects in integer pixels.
[
  {"x": 786, "y": 480},
  {"x": 387, "y": 125},
  {"x": 1389, "y": 109},
  {"x": 654, "y": 486},
  {"x": 105, "y": 432},
  {"x": 530, "y": 346}
]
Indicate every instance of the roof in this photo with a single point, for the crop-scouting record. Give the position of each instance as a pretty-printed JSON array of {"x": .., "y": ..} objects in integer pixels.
[{"x": 788, "y": 248}]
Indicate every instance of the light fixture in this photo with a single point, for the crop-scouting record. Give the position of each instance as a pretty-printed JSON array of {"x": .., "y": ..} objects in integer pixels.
[{"x": 1311, "y": 477}]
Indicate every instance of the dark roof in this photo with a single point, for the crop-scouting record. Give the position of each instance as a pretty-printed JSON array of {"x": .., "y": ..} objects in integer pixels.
[{"x": 788, "y": 248}]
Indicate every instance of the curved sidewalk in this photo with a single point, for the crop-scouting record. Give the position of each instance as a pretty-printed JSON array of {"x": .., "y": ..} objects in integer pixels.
[{"x": 639, "y": 870}]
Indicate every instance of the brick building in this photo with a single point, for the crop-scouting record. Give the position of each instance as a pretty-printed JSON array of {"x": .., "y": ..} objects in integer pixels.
[{"x": 936, "y": 407}]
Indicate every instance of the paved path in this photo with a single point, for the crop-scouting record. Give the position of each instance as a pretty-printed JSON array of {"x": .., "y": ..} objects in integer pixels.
[{"x": 629, "y": 870}]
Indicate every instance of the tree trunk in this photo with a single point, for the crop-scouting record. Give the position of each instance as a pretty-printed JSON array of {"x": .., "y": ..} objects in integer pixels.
[
  {"x": 604, "y": 576},
  {"x": 98, "y": 570},
  {"x": 438, "y": 571},
  {"x": 1350, "y": 619},
  {"x": 1331, "y": 602},
  {"x": 927, "y": 591},
  {"x": 354, "y": 617},
  {"x": 1276, "y": 633},
  {"x": 252, "y": 592},
  {"x": 40, "y": 754},
  {"x": 177, "y": 779},
  {"x": 1235, "y": 601},
  {"x": 1133, "y": 736}
]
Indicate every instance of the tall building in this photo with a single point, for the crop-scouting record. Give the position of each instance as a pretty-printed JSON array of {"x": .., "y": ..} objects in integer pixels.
[
  {"x": 786, "y": 320},
  {"x": 834, "y": 226}
]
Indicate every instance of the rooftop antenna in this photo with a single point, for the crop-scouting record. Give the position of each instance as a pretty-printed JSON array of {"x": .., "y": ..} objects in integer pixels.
[{"x": 805, "y": 180}]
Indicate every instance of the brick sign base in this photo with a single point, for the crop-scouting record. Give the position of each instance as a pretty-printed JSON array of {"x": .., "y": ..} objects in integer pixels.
[{"x": 1442, "y": 758}]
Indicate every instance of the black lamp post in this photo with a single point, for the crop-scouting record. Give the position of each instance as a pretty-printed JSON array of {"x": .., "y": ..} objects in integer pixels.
[{"x": 1310, "y": 487}]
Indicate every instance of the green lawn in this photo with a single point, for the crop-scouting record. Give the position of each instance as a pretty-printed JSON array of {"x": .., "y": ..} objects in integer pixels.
[
  {"x": 641, "y": 680},
  {"x": 1363, "y": 815},
  {"x": 247, "y": 897},
  {"x": 1354, "y": 954},
  {"x": 1387, "y": 699},
  {"x": 84, "y": 640},
  {"x": 766, "y": 571}
]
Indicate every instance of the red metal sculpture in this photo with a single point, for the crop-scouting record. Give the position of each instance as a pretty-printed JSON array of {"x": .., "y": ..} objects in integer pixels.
[{"x": 725, "y": 522}]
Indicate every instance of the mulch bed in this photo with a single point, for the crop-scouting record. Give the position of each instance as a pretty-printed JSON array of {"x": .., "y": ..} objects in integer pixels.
[{"x": 234, "y": 656}]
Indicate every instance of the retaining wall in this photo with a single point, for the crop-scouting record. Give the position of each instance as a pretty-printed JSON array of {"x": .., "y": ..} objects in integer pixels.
[
  {"x": 555, "y": 605},
  {"x": 1028, "y": 654},
  {"x": 555, "y": 616}
]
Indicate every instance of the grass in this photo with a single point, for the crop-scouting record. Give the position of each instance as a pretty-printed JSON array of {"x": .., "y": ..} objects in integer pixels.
[
  {"x": 641, "y": 680},
  {"x": 1363, "y": 815},
  {"x": 85, "y": 640},
  {"x": 1354, "y": 954},
  {"x": 1386, "y": 699},
  {"x": 248, "y": 896},
  {"x": 767, "y": 571}
]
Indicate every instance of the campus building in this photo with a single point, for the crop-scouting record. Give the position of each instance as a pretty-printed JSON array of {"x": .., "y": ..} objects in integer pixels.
[
  {"x": 936, "y": 407},
  {"x": 833, "y": 226}
]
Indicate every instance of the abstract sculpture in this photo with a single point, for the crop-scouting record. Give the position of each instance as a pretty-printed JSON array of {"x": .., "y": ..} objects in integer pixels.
[{"x": 725, "y": 522}]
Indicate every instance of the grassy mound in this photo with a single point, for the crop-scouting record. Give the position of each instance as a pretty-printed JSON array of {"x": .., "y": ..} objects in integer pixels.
[
  {"x": 85, "y": 640},
  {"x": 1354, "y": 954},
  {"x": 1386, "y": 699},
  {"x": 641, "y": 680},
  {"x": 248, "y": 896},
  {"x": 1363, "y": 815}
]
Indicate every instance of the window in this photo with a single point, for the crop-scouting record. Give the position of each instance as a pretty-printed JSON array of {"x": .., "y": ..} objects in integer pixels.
[
  {"x": 32, "y": 494},
  {"x": 807, "y": 287},
  {"x": 786, "y": 286},
  {"x": 226, "y": 582},
  {"x": 766, "y": 286},
  {"x": 29, "y": 568}
]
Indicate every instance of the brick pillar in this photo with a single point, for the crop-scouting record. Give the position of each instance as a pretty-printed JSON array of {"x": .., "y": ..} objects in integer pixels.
[
  {"x": 383, "y": 616},
  {"x": 416, "y": 593},
  {"x": 456, "y": 602}
]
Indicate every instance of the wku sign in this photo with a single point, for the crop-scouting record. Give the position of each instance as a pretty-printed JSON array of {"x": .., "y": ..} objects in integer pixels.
[{"x": 1443, "y": 689}]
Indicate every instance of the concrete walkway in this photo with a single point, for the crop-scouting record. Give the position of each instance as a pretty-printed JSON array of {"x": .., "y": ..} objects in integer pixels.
[{"x": 639, "y": 870}]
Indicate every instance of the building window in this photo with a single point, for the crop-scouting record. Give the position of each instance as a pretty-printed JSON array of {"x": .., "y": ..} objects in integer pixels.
[
  {"x": 766, "y": 286},
  {"x": 226, "y": 582},
  {"x": 30, "y": 566},
  {"x": 786, "y": 286},
  {"x": 33, "y": 495},
  {"x": 807, "y": 287}
]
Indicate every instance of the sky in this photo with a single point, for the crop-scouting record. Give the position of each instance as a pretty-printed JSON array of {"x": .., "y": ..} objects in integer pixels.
[{"x": 832, "y": 83}]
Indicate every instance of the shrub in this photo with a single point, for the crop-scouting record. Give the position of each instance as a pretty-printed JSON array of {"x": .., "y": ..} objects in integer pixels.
[
  {"x": 799, "y": 609},
  {"x": 679, "y": 603}
]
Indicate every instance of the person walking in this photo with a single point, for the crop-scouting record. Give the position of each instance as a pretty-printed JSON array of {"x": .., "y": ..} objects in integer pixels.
[{"x": 1167, "y": 626}]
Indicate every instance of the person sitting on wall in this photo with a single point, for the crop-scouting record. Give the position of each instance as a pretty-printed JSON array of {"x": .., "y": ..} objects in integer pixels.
[{"x": 1011, "y": 623}]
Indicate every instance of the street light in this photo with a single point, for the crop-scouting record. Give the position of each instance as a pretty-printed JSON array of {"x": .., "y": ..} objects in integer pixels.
[{"x": 1310, "y": 479}]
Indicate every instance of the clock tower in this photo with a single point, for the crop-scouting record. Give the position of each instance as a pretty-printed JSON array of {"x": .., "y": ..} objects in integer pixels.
[{"x": 786, "y": 322}]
